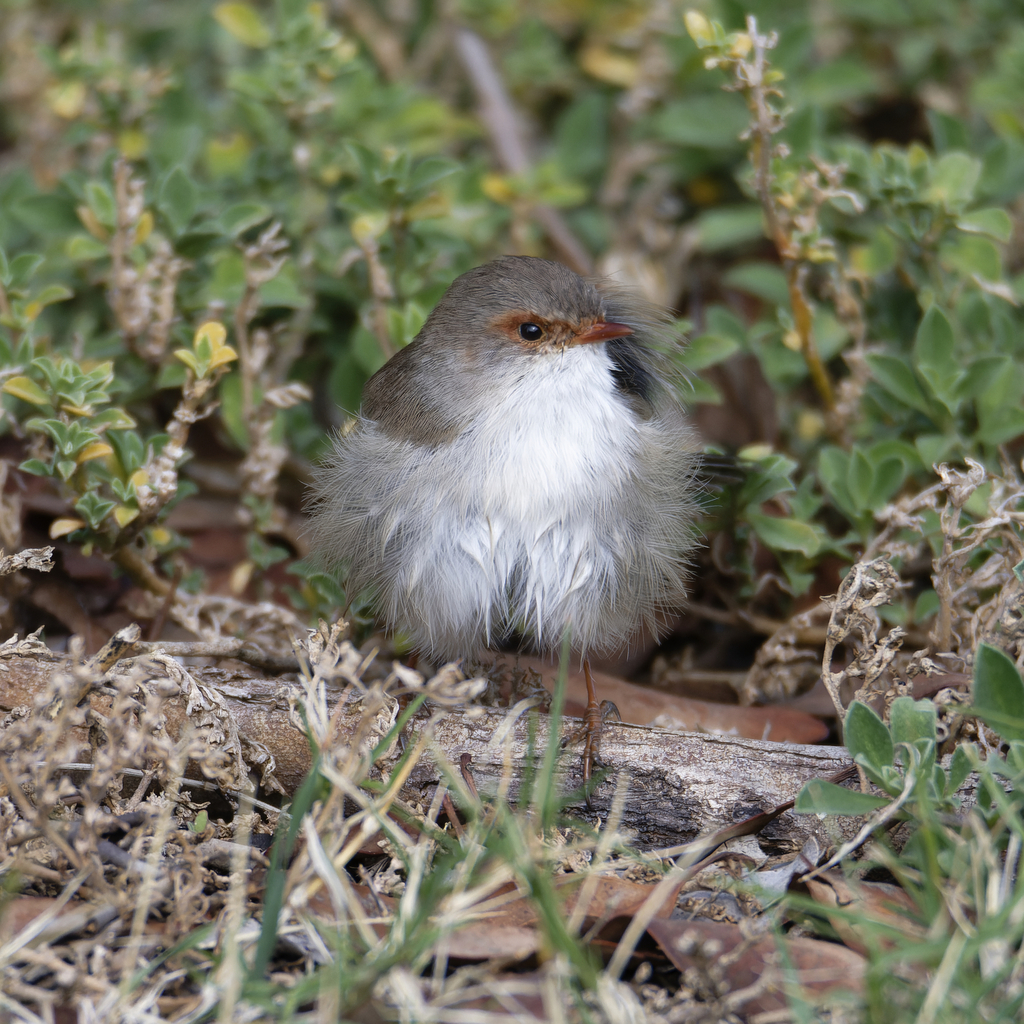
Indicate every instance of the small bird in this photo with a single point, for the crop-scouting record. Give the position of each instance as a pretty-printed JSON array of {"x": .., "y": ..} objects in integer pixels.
[{"x": 523, "y": 467}]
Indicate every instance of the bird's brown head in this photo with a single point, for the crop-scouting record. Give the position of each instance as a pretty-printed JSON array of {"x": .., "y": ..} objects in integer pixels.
[{"x": 528, "y": 304}]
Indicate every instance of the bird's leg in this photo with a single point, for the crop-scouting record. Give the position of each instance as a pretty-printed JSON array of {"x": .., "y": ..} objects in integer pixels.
[
  {"x": 593, "y": 725},
  {"x": 594, "y": 717}
]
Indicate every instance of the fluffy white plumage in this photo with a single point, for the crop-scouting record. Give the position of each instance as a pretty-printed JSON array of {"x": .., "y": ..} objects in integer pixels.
[{"x": 558, "y": 501}]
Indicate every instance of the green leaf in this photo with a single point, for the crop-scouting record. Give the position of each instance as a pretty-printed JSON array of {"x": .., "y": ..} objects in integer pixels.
[
  {"x": 707, "y": 350},
  {"x": 837, "y": 81},
  {"x": 428, "y": 172},
  {"x": 769, "y": 475},
  {"x": 46, "y": 213},
  {"x": 581, "y": 135},
  {"x": 948, "y": 132},
  {"x": 980, "y": 375},
  {"x": 285, "y": 289},
  {"x": 112, "y": 419},
  {"x": 244, "y": 23},
  {"x": 896, "y": 376},
  {"x": 894, "y": 449},
  {"x": 230, "y": 395},
  {"x": 998, "y": 693},
  {"x": 84, "y": 247},
  {"x": 833, "y": 467},
  {"x": 36, "y": 467},
  {"x": 991, "y": 221},
  {"x": 912, "y": 720},
  {"x": 101, "y": 201},
  {"x": 711, "y": 121},
  {"x": 785, "y": 534},
  {"x": 860, "y": 477},
  {"x": 879, "y": 255},
  {"x": 93, "y": 509},
  {"x": 726, "y": 226},
  {"x": 865, "y": 733},
  {"x": 973, "y": 256},
  {"x": 22, "y": 268},
  {"x": 698, "y": 391},
  {"x": 239, "y": 218},
  {"x": 935, "y": 448},
  {"x": 27, "y": 390},
  {"x": 52, "y": 293},
  {"x": 821, "y": 797},
  {"x": 888, "y": 476},
  {"x": 189, "y": 359},
  {"x": 765, "y": 280},
  {"x": 954, "y": 177},
  {"x": 934, "y": 354},
  {"x": 198, "y": 242},
  {"x": 959, "y": 767},
  {"x": 926, "y": 605},
  {"x": 178, "y": 200}
]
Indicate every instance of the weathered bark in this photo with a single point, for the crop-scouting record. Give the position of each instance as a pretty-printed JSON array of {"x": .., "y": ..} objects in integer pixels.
[{"x": 681, "y": 784}]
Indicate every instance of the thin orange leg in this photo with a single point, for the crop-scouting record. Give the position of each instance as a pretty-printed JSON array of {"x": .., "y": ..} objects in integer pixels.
[
  {"x": 593, "y": 721},
  {"x": 590, "y": 731}
]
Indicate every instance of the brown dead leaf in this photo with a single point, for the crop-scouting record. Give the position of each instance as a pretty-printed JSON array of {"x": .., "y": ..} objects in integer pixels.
[
  {"x": 877, "y": 902},
  {"x": 641, "y": 705},
  {"x": 506, "y": 927},
  {"x": 721, "y": 951}
]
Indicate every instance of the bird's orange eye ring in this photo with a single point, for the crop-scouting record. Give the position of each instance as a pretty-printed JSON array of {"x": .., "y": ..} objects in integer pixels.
[{"x": 530, "y": 332}]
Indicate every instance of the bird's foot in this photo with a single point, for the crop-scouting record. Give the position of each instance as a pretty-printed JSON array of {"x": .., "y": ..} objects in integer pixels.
[{"x": 594, "y": 718}]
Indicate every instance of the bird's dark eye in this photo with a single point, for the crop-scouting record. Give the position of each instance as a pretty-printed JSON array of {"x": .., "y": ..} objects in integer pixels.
[{"x": 530, "y": 332}]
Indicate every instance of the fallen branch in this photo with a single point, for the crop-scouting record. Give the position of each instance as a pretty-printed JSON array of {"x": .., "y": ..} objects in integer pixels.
[{"x": 681, "y": 785}]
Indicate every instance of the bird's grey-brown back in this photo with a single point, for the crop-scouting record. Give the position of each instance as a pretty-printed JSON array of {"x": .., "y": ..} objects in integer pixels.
[{"x": 488, "y": 482}]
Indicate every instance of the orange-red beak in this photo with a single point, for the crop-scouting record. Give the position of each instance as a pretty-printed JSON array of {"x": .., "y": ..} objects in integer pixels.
[{"x": 601, "y": 331}]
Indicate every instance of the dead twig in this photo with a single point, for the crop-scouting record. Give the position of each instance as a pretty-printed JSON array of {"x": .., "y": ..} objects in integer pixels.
[
  {"x": 40, "y": 559},
  {"x": 503, "y": 129}
]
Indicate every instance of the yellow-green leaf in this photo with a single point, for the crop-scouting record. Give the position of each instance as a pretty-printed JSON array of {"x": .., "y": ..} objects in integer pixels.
[
  {"x": 221, "y": 355},
  {"x": 244, "y": 23},
  {"x": 76, "y": 410},
  {"x": 699, "y": 28},
  {"x": 133, "y": 144},
  {"x": 96, "y": 450},
  {"x": 188, "y": 359},
  {"x": 124, "y": 515},
  {"x": 66, "y": 99},
  {"x": 62, "y": 527},
  {"x": 144, "y": 227},
  {"x": 26, "y": 389},
  {"x": 368, "y": 227},
  {"x": 604, "y": 64},
  {"x": 213, "y": 331},
  {"x": 92, "y": 223}
]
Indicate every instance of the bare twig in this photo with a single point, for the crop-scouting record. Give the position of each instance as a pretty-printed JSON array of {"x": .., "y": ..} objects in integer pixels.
[
  {"x": 499, "y": 118},
  {"x": 381, "y": 289},
  {"x": 239, "y": 650},
  {"x": 751, "y": 73},
  {"x": 263, "y": 262},
  {"x": 385, "y": 44},
  {"x": 142, "y": 299}
]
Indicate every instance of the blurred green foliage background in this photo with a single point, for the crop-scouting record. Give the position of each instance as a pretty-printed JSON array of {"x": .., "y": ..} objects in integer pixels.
[{"x": 313, "y": 175}]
